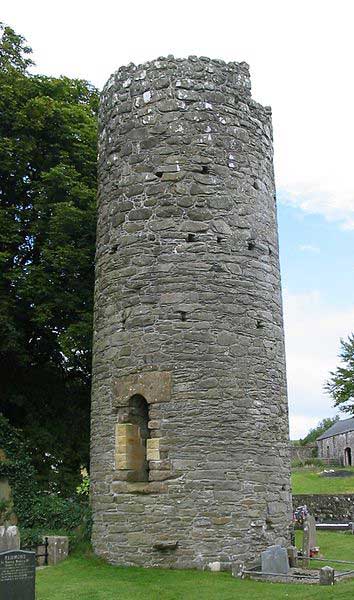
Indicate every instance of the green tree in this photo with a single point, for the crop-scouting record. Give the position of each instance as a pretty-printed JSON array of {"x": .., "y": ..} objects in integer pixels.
[
  {"x": 314, "y": 433},
  {"x": 48, "y": 131},
  {"x": 13, "y": 51},
  {"x": 341, "y": 382}
]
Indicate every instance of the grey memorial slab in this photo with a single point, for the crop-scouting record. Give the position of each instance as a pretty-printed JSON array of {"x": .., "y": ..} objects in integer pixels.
[
  {"x": 275, "y": 560},
  {"x": 309, "y": 539},
  {"x": 312, "y": 531},
  {"x": 326, "y": 576},
  {"x": 58, "y": 548},
  {"x": 17, "y": 575}
]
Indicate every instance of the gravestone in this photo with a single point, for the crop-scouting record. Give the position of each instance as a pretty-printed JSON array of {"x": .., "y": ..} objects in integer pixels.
[
  {"x": 17, "y": 575},
  {"x": 292, "y": 556},
  {"x": 275, "y": 560},
  {"x": 309, "y": 538},
  {"x": 312, "y": 531},
  {"x": 326, "y": 576},
  {"x": 9, "y": 538},
  {"x": 58, "y": 548}
]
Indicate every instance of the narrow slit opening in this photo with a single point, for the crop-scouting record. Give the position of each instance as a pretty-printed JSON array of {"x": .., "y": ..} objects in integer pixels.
[
  {"x": 205, "y": 170},
  {"x": 191, "y": 237},
  {"x": 251, "y": 244},
  {"x": 183, "y": 315}
]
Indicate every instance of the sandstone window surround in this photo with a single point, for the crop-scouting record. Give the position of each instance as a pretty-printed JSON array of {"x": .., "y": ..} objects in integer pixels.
[{"x": 140, "y": 451}]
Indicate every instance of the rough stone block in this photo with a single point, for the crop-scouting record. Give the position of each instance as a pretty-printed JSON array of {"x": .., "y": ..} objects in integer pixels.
[
  {"x": 58, "y": 548},
  {"x": 9, "y": 538},
  {"x": 326, "y": 576},
  {"x": 153, "y": 449}
]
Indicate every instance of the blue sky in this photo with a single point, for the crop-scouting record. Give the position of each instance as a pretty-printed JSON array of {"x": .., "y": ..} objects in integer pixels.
[
  {"x": 300, "y": 54},
  {"x": 317, "y": 265},
  {"x": 315, "y": 255}
]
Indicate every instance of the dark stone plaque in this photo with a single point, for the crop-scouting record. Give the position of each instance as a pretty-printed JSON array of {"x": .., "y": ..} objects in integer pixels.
[{"x": 17, "y": 575}]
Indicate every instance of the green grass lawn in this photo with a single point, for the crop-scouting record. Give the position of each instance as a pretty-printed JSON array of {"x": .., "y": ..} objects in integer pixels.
[
  {"x": 337, "y": 545},
  {"x": 306, "y": 480},
  {"x": 84, "y": 577}
]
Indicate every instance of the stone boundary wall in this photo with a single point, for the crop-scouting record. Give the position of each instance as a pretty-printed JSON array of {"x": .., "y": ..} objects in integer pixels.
[
  {"x": 303, "y": 452},
  {"x": 327, "y": 507}
]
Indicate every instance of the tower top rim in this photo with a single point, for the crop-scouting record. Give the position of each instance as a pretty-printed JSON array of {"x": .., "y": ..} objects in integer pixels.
[{"x": 194, "y": 63}]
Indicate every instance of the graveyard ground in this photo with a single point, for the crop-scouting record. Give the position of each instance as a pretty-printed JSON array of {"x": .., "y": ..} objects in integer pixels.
[
  {"x": 84, "y": 577},
  {"x": 307, "y": 480}
]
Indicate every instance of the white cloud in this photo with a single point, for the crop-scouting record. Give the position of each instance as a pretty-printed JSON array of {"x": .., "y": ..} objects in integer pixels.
[
  {"x": 301, "y": 64},
  {"x": 309, "y": 248},
  {"x": 313, "y": 330},
  {"x": 336, "y": 205},
  {"x": 300, "y": 425}
]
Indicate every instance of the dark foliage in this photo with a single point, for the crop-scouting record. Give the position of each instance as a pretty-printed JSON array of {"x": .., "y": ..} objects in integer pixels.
[
  {"x": 341, "y": 383},
  {"x": 17, "y": 468},
  {"x": 47, "y": 239},
  {"x": 314, "y": 433}
]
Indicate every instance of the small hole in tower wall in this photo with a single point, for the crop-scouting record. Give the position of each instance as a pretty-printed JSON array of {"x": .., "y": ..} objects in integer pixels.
[
  {"x": 183, "y": 315},
  {"x": 159, "y": 174},
  {"x": 259, "y": 324},
  {"x": 251, "y": 244},
  {"x": 191, "y": 237},
  {"x": 205, "y": 170},
  {"x": 218, "y": 239}
]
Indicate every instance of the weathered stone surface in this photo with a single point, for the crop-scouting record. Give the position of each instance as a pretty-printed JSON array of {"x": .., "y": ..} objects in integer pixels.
[
  {"x": 275, "y": 560},
  {"x": 188, "y": 316},
  {"x": 326, "y": 576},
  {"x": 58, "y": 548},
  {"x": 338, "y": 448},
  {"x": 327, "y": 508},
  {"x": 9, "y": 538},
  {"x": 292, "y": 556},
  {"x": 155, "y": 386}
]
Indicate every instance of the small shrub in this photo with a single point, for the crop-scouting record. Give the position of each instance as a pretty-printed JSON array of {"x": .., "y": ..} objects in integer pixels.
[
  {"x": 314, "y": 462},
  {"x": 53, "y": 515},
  {"x": 84, "y": 488},
  {"x": 297, "y": 462},
  {"x": 17, "y": 468},
  {"x": 307, "y": 462},
  {"x": 30, "y": 538}
]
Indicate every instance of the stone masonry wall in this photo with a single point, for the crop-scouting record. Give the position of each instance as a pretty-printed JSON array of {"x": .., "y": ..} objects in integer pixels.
[
  {"x": 303, "y": 452},
  {"x": 334, "y": 447},
  {"x": 327, "y": 508},
  {"x": 188, "y": 316}
]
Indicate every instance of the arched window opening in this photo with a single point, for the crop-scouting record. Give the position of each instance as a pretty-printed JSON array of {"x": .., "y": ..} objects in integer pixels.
[
  {"x": 131, "y": 440},
  {"x": 348, "y": 457}
]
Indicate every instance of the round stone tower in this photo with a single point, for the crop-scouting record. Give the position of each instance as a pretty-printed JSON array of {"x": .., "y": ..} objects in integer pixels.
[{"x": 190, "y": 461}]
